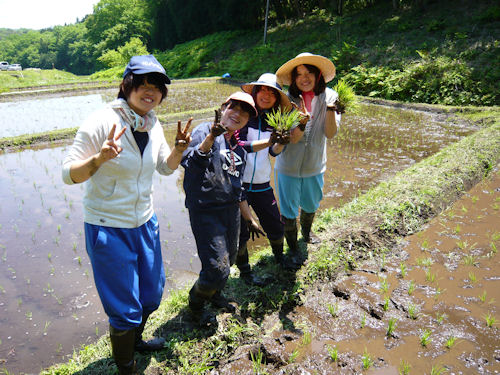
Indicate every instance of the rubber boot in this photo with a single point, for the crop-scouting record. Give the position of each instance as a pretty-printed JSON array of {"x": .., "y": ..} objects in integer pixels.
[
  {"x": 147, "y": 346},
  {"x": 243, "y": 265},
  {"x": 306, "y": 220},
  {"x": 291, "y": 240},
  {"x": 197, "y": 298},
  {"x": 122, "y": 347},
  {"x": 277, "y": 248},
  {"x": 220, "y": 302}
]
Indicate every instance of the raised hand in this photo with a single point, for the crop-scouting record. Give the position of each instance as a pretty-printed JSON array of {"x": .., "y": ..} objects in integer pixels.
[
  {"x": 110, "y": 149},
  {"x": 183, "y": 137},
  {"x": 254, "y": 229},
  {"x": 337, "y": 106},
  {"x": 217, "y": 128}
]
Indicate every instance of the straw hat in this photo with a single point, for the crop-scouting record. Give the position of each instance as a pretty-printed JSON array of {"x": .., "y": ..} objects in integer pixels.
[
  {"x": 326, "y": 67},
  {"x": 269, "y": 80},
  {"x": 245, "y": 98}
]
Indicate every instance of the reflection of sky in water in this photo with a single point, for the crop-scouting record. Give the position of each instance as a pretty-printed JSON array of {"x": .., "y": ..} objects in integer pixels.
[{"x": 40, "y": 115}]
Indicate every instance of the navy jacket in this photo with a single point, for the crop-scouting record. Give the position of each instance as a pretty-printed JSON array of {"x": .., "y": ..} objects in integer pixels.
[{"x": 209, "y": 179}]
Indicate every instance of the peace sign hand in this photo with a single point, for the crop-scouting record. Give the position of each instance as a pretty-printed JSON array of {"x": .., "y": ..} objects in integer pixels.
[
  {"x": 183, "y": 137},
  {"x": 304, "y": 113},
  {"x": 110, "y": 149}
]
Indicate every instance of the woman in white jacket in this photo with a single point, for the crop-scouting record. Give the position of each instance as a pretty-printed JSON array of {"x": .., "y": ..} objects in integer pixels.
[{"x": 116, "y": 152}]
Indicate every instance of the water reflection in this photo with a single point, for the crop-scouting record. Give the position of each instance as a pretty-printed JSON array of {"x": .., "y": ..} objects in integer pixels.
[
  {"x": 40, "y": 115},
  {"x": 46, "y": 285}
]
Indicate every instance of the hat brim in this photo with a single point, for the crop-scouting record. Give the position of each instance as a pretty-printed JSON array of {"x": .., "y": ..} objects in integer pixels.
[
  {"x": 327, "y": 68},
  {"x": 285, "y": 102}
]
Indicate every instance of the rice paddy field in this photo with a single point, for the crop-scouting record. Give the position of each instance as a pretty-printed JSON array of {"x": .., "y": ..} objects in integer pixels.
[{"x": 49, "y": 306}]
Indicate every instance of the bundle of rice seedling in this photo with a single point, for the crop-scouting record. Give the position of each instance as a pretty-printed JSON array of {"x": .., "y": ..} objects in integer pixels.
[
  {"x": 347, "y": 98},
  {"x": 282, "y": 119}
]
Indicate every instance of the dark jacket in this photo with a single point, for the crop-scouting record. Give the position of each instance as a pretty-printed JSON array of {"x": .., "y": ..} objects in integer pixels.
[{"x": 209, "y": 180}]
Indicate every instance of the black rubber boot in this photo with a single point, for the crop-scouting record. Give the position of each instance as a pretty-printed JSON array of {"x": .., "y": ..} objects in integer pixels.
[
  {"x": 220, "y": 302},
  {"x": 152, "y": 345},
  {"x": 122, "y": 346},
  {"x": 243, "y": 265},
  {"x": 306, "y": 220},
  {"x": 294, "y": 260},
  {"x": 277, "y": 248},
  {"x": 197, "y": 298}
]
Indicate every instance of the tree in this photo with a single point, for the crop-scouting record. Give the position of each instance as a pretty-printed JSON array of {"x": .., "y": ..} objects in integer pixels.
[{"x": 122, "y": 55}]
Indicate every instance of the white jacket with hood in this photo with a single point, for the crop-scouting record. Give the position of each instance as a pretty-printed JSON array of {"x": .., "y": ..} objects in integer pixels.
[{"x": 120, "y": 193}]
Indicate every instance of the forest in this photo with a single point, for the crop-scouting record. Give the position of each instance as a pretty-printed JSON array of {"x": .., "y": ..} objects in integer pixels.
[{"x": 429, "y": 51}]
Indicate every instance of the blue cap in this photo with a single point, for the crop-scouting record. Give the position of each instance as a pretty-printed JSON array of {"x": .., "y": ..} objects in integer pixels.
[{"x": 145, "y": 64}]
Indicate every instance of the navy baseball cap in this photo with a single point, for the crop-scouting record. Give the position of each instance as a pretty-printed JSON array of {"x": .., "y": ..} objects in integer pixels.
[{"x": 145, "y": 64}]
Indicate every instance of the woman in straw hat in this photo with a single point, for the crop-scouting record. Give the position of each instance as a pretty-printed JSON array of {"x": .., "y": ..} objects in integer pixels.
[
  {"x": 261, "y": 141},
  {"x": 301, "y": 166}
]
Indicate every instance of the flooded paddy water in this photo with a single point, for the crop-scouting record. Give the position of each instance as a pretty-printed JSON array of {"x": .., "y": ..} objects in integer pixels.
[{"x": 48, "y": 303}]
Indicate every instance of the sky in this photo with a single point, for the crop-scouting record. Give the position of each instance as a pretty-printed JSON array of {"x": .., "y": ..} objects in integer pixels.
[{"x": 39, "y": 14}]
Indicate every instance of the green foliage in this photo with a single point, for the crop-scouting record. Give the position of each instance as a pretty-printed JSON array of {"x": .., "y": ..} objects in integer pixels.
[{"x": 121, "y": 56}]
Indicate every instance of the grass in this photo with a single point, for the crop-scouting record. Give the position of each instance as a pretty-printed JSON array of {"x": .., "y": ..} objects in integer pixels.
[{"x": 425, "y": 337}]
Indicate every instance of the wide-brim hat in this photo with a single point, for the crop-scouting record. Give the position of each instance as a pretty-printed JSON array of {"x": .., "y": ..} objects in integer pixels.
[
  {"x": 269, "y": 80},
  {"x": 145, "y": 64},
  {"x": 284, "y": 73},
  {"x": 243, "y": 97}
]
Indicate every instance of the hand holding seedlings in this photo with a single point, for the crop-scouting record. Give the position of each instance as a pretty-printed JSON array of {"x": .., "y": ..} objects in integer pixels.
[
  {"x": 183, "y": 137},
  {"x": 217, "y": 128}
]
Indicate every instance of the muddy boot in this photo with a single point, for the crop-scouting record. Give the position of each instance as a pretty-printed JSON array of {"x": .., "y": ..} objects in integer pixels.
[
  {"x": 122, "y": 347},
  {"x": 197, "y": 298},
  {"x": 277, "y": 248},
  {"x": 306, "y": 220},
  {"x": 294, "y": 260},
  {"x": 220, "y": 302},
  {"x": 246, "y": 273},
  {"x": 150, "y": 345}
]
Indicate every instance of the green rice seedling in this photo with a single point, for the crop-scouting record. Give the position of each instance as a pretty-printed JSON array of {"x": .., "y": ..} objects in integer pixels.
[
  {"x": 470, "y": 260},
  {"x": 450, "y": 341},
  {"x": 402, "y": 270},
  {"x": 28, "y": 280},
  {"x": 52, "y": 271},
  {"x": 493, "y": 248},
  {"x": 472, "y": 277},
  {"x": 462, "y": 244},
  {"x": 474, "y": 198},
  {"x": 49, "y": 256},
  {"x": 19, "y": 302},
  {"x": 367, "y": 360},
  {"x": 386, "y": 303},
  {"x": 424, "y": 262},
  {"x": 391, "y": 326},
  {"x": 347, "y": 97},
  {"x": 384, "y": 286},
  {"x": 79, "y": 259},
  {"x": 464, "y": 209},
  {"x": 490, "y": 320},
  {"x": 412, "y": 311},
  {"x": 283, "y": 119},
  {"x": 404, "y": 367},
  {"x": 457, "y": 229},
  {"x": 97, "y": 331},
  {"x": 411, "y": 288},
  {"x": 74, "y": 246},
  {"x": 46, "y": 327},
  {"x": 306, "y": 338},
  {"x": 482, "y": 297},
  {"x": 438, "y": 370},
  {"x": 429, "y": 276},
  {"x": 333, "y": 309},
  {"x": 2, "y": 289},
  {"x": 29, "y": 315},
  {"x": 293, "y": 356},
  {"x": 425, "y": 337},
  {"x": 363, "y": 320},
  {"x": 59, "y": 228},
  {"x": 334, "y": 353},
  {"x": 425, "y": 244},
  {"x": 257, "y": 361}
]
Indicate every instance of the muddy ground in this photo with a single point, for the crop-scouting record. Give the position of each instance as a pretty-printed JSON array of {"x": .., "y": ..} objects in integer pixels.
[{"x": 429, "y": 307}]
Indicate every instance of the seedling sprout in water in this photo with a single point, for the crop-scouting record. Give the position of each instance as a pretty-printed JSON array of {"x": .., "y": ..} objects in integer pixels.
[{"x": 283, "y": 119}]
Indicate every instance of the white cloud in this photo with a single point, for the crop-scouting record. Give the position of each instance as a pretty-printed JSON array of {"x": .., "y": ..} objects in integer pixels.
[{"x": 39, "y": 14}]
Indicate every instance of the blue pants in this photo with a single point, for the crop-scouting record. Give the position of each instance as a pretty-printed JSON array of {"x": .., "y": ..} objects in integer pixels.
[
  {"x": 295, "y": 192},
  {"x": 266, "y": 208},
  {"x": 216, "y": 233},
  {"x": 128, "y": 270}
]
